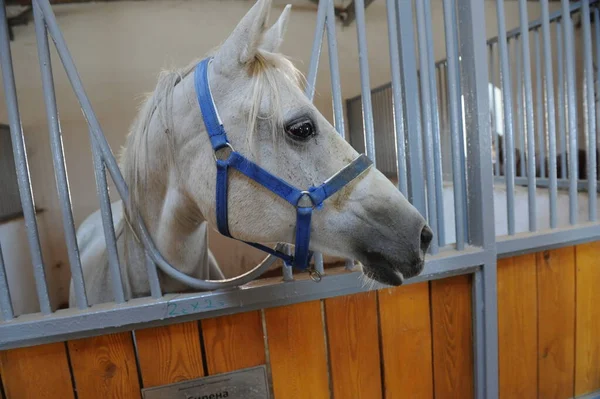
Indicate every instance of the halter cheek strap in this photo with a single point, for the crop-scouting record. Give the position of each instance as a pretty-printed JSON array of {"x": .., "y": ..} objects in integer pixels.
[{"x": 305, "y": 201}]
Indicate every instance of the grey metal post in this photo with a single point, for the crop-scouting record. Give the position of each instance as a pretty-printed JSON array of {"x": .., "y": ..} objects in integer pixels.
[
  {"x": 365, "y": 86},
  {"x": 561, "y": 102},
  {"x": 571, "y": 99},
  {"x": 397, "y": 97},
  {"x": 315, "y": 53},
  {"x": 493, "y": 116},
  {"x": 437, "y": 151},
  {"x": 520, "y": 100},
  {"x": 153, "y": 280},
  {"x": 480, "y": 192},
  {"x": 21, "y": 164},
  {"x": 427, "y": 125},
  {"x": 529, "y": 124},
  {"x": 550, "y": 112},
  {"x": 539, "y": 104},
  {"x": 411, "y": 105},
  {"x": 58, "y": 158},
  {"x": 5, "y": 300},
  {"x": 590, "y": 112},
  {"x": 455, "y": 131}
]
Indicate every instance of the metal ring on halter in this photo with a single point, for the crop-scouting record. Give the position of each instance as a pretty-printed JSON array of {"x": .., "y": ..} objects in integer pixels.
[
  {"x": 315, "y": 275},
  {"x": 218, "y": 151},
  {"x": 304, "y": 198}
]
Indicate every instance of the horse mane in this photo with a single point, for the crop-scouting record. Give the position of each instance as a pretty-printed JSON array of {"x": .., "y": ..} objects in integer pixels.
[{"x": 266, "y": 70}]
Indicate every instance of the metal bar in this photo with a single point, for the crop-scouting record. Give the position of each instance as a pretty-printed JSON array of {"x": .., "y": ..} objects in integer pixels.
[
  {"x": 493, "y": 116},
  {"x": 529, "y": 125},
  {"x": 155, "y": 289},
  {"x": 459, "y": 188},
  {"x": 427, "y": 125},
  {"x": 336, "y": 92},
  {"x": 572, "y": 110},
  {"x": 268, "y": 293},
  {"x": 365, "y": 86},
  {"x": 315, "y": 54},
  {"x": 550, "y": 112},
  {"x": 539, "y": 104},
  {"x": 58, "y": 158},
  {"x": 288, "y": 272},
  {"x": 413, "y": 114},
  {"x": 21, "y": 164},
  {"x": 520, "y": 119},
  {"x": 591, "y": 111},
  {"x": 561, "y": 102},
  {"x": 480, "y": 192},
  {"x": 5, "y": 300},
  {"x": 108, "y": 226},
  {"x": 596, "y": 88},
  {"x": 437, "y": 151},
  {"x": 397, "y": 97}
]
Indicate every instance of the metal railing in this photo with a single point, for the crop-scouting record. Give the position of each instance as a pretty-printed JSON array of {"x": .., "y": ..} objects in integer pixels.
[{"x": 415, "y": 128}]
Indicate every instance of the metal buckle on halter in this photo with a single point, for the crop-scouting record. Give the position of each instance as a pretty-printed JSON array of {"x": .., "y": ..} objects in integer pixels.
[
  {"x": 314, "y": 275},
  {"x": 219, "y": 151}
]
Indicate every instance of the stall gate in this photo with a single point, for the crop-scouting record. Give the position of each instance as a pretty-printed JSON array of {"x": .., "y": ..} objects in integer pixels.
[{"x": 470, "y": 325}]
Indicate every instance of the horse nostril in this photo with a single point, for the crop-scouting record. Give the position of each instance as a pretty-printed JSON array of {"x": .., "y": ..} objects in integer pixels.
[{"x": 426, "y": 237}]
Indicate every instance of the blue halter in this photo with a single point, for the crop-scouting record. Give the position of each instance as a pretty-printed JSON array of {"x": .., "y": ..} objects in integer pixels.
[{"x": 305, "y": 201}]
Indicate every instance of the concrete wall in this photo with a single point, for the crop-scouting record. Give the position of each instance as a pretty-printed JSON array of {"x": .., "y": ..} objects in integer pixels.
[{"x": 119, "y": 48}]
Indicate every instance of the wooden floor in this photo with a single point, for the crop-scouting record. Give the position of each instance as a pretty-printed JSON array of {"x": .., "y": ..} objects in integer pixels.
[{"x": 409, "y": 342}]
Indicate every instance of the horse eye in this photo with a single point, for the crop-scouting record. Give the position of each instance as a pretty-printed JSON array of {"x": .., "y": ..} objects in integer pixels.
[{"x": 301, "y": 130}]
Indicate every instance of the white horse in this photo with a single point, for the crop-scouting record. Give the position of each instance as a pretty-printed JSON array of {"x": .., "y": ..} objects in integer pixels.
[{"x": 169, "y": 167}]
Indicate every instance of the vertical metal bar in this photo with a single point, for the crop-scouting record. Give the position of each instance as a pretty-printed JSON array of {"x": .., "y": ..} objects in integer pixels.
[
  {"x": 596, "y": 87},
  {"x": 561, "y": 101},
  {"x": 591, "y": 111},
  {"x": 413, "y": 114},
  {"x": 363, "y": 61},
  {"x": 550, "y": 113},
  {"x": 21, "y": 164},
  {"x": 5, "y": 300},
  {"x": 155, "y": 289},
  {"x": 427, "y": 124},
  {"x": 107, "y": 225},
  {"x": 529, "y": 125},
  {"x": 397, "y": 96},
  {"x": 572, "y": 110},
  {"x": 493, "y": 116},
  {"x": 452, "y": 58},
  {"x": 519, "y": 96},
  {"x": 288, "y": 273},
  {"x": 480, "y": 191},
  {"x": 315, "y": 53},
  {"x": 60, "y": 168},
  {"x": 437, "y": 151},
  {"x": 336, "y": 91},
  {"x": 539, "y": 104}
]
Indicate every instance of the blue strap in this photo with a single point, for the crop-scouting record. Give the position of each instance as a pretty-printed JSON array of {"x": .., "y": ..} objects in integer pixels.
[
  {"x": 303, "y": 219},
  {"x": 216, "y": 132},
  {"x": 221, "y": 200}
]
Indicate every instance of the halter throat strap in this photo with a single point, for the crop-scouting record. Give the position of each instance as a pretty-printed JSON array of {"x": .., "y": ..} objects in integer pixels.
[{"x": 305, "y": 201}]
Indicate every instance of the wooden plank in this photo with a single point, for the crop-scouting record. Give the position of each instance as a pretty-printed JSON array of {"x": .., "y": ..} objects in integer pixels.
[
  {"x": 587, "y": 340},
  {"x": 353, "y": 338},
  {"x": 234, "y": 342},
  {"x": 405, "y": 324},
  {"x": 517, "y": 327},
  {"x": 169, "y": 354},
  {"x": 452, "y": 337},
  {"x": 40, "y": 371},
  {"x": 104, "y": 367},
  {"x": 297, "y": 351},
  {"x": 556, "y": 322}
]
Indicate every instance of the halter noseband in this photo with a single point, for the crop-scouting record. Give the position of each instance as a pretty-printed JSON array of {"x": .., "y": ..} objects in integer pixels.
[{"x": 305, "y": 201}]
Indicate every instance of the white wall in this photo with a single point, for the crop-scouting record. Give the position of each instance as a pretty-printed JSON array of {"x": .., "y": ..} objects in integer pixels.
[{"x": 119, "y": 48}]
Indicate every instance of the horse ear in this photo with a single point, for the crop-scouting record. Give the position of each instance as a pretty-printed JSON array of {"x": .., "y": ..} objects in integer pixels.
[
  {"x": 241, "y": 46},
  {"x": 274, "y": 36}
]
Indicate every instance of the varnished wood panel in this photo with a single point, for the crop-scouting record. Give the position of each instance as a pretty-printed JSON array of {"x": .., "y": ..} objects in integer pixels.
[
  {"x": 452, "y": 337},
  {"x": 517, "y": 327},
  {"x": 556, "y": 322},
  {"x": 169, "y": 354},
  {"x": 234, "y": 342},
  {"x": 353, "y": 341},
  {"x": 405, "y": 323},
  {"x": 297, "y": 351},
  {"x": 36, "y": 372},
  {"x": 587, "y": 341},
  {"x": 105, "y": 367}
]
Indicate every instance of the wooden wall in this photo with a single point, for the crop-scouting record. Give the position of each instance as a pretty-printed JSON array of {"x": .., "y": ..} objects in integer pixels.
[{"x": 385, "y": 344}]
